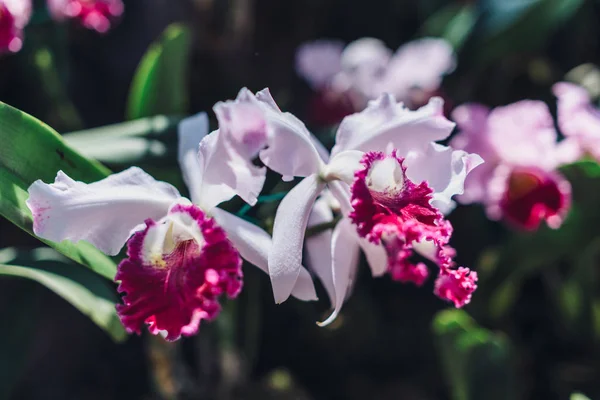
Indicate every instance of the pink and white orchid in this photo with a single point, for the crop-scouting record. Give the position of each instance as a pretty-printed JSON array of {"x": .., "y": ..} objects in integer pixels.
[
  {"x": 366, "y": 68},
  {"x": 98, "y": 15},
  {"x": 14, "y": 16},
  {"x": 578, "y": 119},
  {"x": 282, "y": 142},
  {"x": 519, "y": 181},
  {"x": 182, "y": 254}
]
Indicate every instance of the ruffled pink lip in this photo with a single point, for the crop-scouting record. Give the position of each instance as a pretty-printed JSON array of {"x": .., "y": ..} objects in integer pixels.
[
  {"x": 172, "y": 292},
  {"x": 532, "y": 196},
  {"x": 401, "y": 216}
]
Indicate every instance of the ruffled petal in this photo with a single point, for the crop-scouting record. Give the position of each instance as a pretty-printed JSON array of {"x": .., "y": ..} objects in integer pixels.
[
  {"x": 386, "y": 124},
  {"x": 285, "y": 258},
  {"x": 456, "y": 285},
  {"x": 102, "y": 213},
  {"x": 318, "y": 247},
  {"x": 254, "y": 245},
  {"x": 254, "y": 122},
  {"x": 176, "y": 270},
  {"x": 344, "y": 254},
  {"x": 444, "y": 170},
  {"x": 388, "y": 209},
  {"x": 319, "y": 61}
]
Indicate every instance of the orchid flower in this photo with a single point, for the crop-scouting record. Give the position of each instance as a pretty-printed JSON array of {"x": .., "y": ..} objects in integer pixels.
[
  {"x": 519, "y": 181},
  {"x": 578, "y": 119},
  {"x": 182, "y": 255},
  {"x": 14, "y": 15},
  {"x": 259, "y": 127},
  {"x": 366, "y": 68},
  {"x": 97, "y": 15}
]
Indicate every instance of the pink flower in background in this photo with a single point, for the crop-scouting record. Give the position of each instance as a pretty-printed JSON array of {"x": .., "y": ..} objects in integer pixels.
[
  {"x": 282, "y": 142},
  {"x": 182, "y": 256},
  {"x": 98, "y": 15},
  {"x": 578, "y": 118},
  {"x": 366, "y": 68},
  {"x": 14, "y": 16},
  {"x": 519, "y": 181}
]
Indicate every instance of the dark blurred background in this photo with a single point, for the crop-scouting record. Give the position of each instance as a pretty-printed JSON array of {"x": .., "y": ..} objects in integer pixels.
[{"x": 528, "y": 341}]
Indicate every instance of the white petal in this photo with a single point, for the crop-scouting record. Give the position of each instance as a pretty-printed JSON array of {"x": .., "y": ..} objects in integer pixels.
[
  {"x": 226, "y": 173},
  {"x": 254, "y": 245},
  {"x": 445, "y": 171},
  {"x": 191, "y": 131},
  {"x": 341, "y": 192},
  {"x": 103, "y": 213},
  {"x": 318, "y": 247},
  {"x": 376, "y": 256},
  {"x": 343, "y": 166},
  {"x": 285, "y": 259},
  {"x": 286, "y": 133},
  {"x": 344, "y": 253},
  {"x": 385, "y": 123},
  {"x": 253, "y": 122}
]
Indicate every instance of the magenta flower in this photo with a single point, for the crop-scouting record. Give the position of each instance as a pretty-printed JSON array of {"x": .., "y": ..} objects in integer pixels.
[
  {"x": 578, "y": 119},
  {"x": 260, "y": 128},
  {"x": 519, "y": 181},
  {"x": 366, "y": 68},
  {"x": 182, "y": 255},
  {"x": 14, "y": 16},
  {"x": 98, "y": 15}
]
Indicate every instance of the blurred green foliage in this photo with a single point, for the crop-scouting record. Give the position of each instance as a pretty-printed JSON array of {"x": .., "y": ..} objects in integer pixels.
[{"x": 160, "y": 82}]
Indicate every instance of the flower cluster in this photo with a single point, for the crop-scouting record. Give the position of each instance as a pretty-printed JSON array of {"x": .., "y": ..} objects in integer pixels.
[
  {"x": 519, "y": 182},
  {"x": 98, "y": 15},
  {"x": 346, "y": 78},
  {"x": 386, "y": 177}
]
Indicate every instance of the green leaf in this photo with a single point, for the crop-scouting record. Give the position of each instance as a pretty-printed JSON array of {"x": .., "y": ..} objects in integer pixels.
[
  {"x": 477, "y": 363},
  {"x": 86, "y": 291},
  {"x": 509, "y": 26},
  {"x": 31, "y": 150},
  {"x": 578, "y": 396},
  {"x": 454, "y": 23},
  {"x": 576, "y": 295},
  {"x": 159, "y": 85},
  {"x": 151, "y": 140}
]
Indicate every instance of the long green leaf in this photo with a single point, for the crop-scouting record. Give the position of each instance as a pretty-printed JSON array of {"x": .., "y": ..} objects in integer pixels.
[
  {"x": 477, "y": 363},
  {"x": 31, "y": 150},
  {"x": 159, "y": 85},
  {"x": 151, "y": 140},
  {"x": 85, "y": 290}
]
